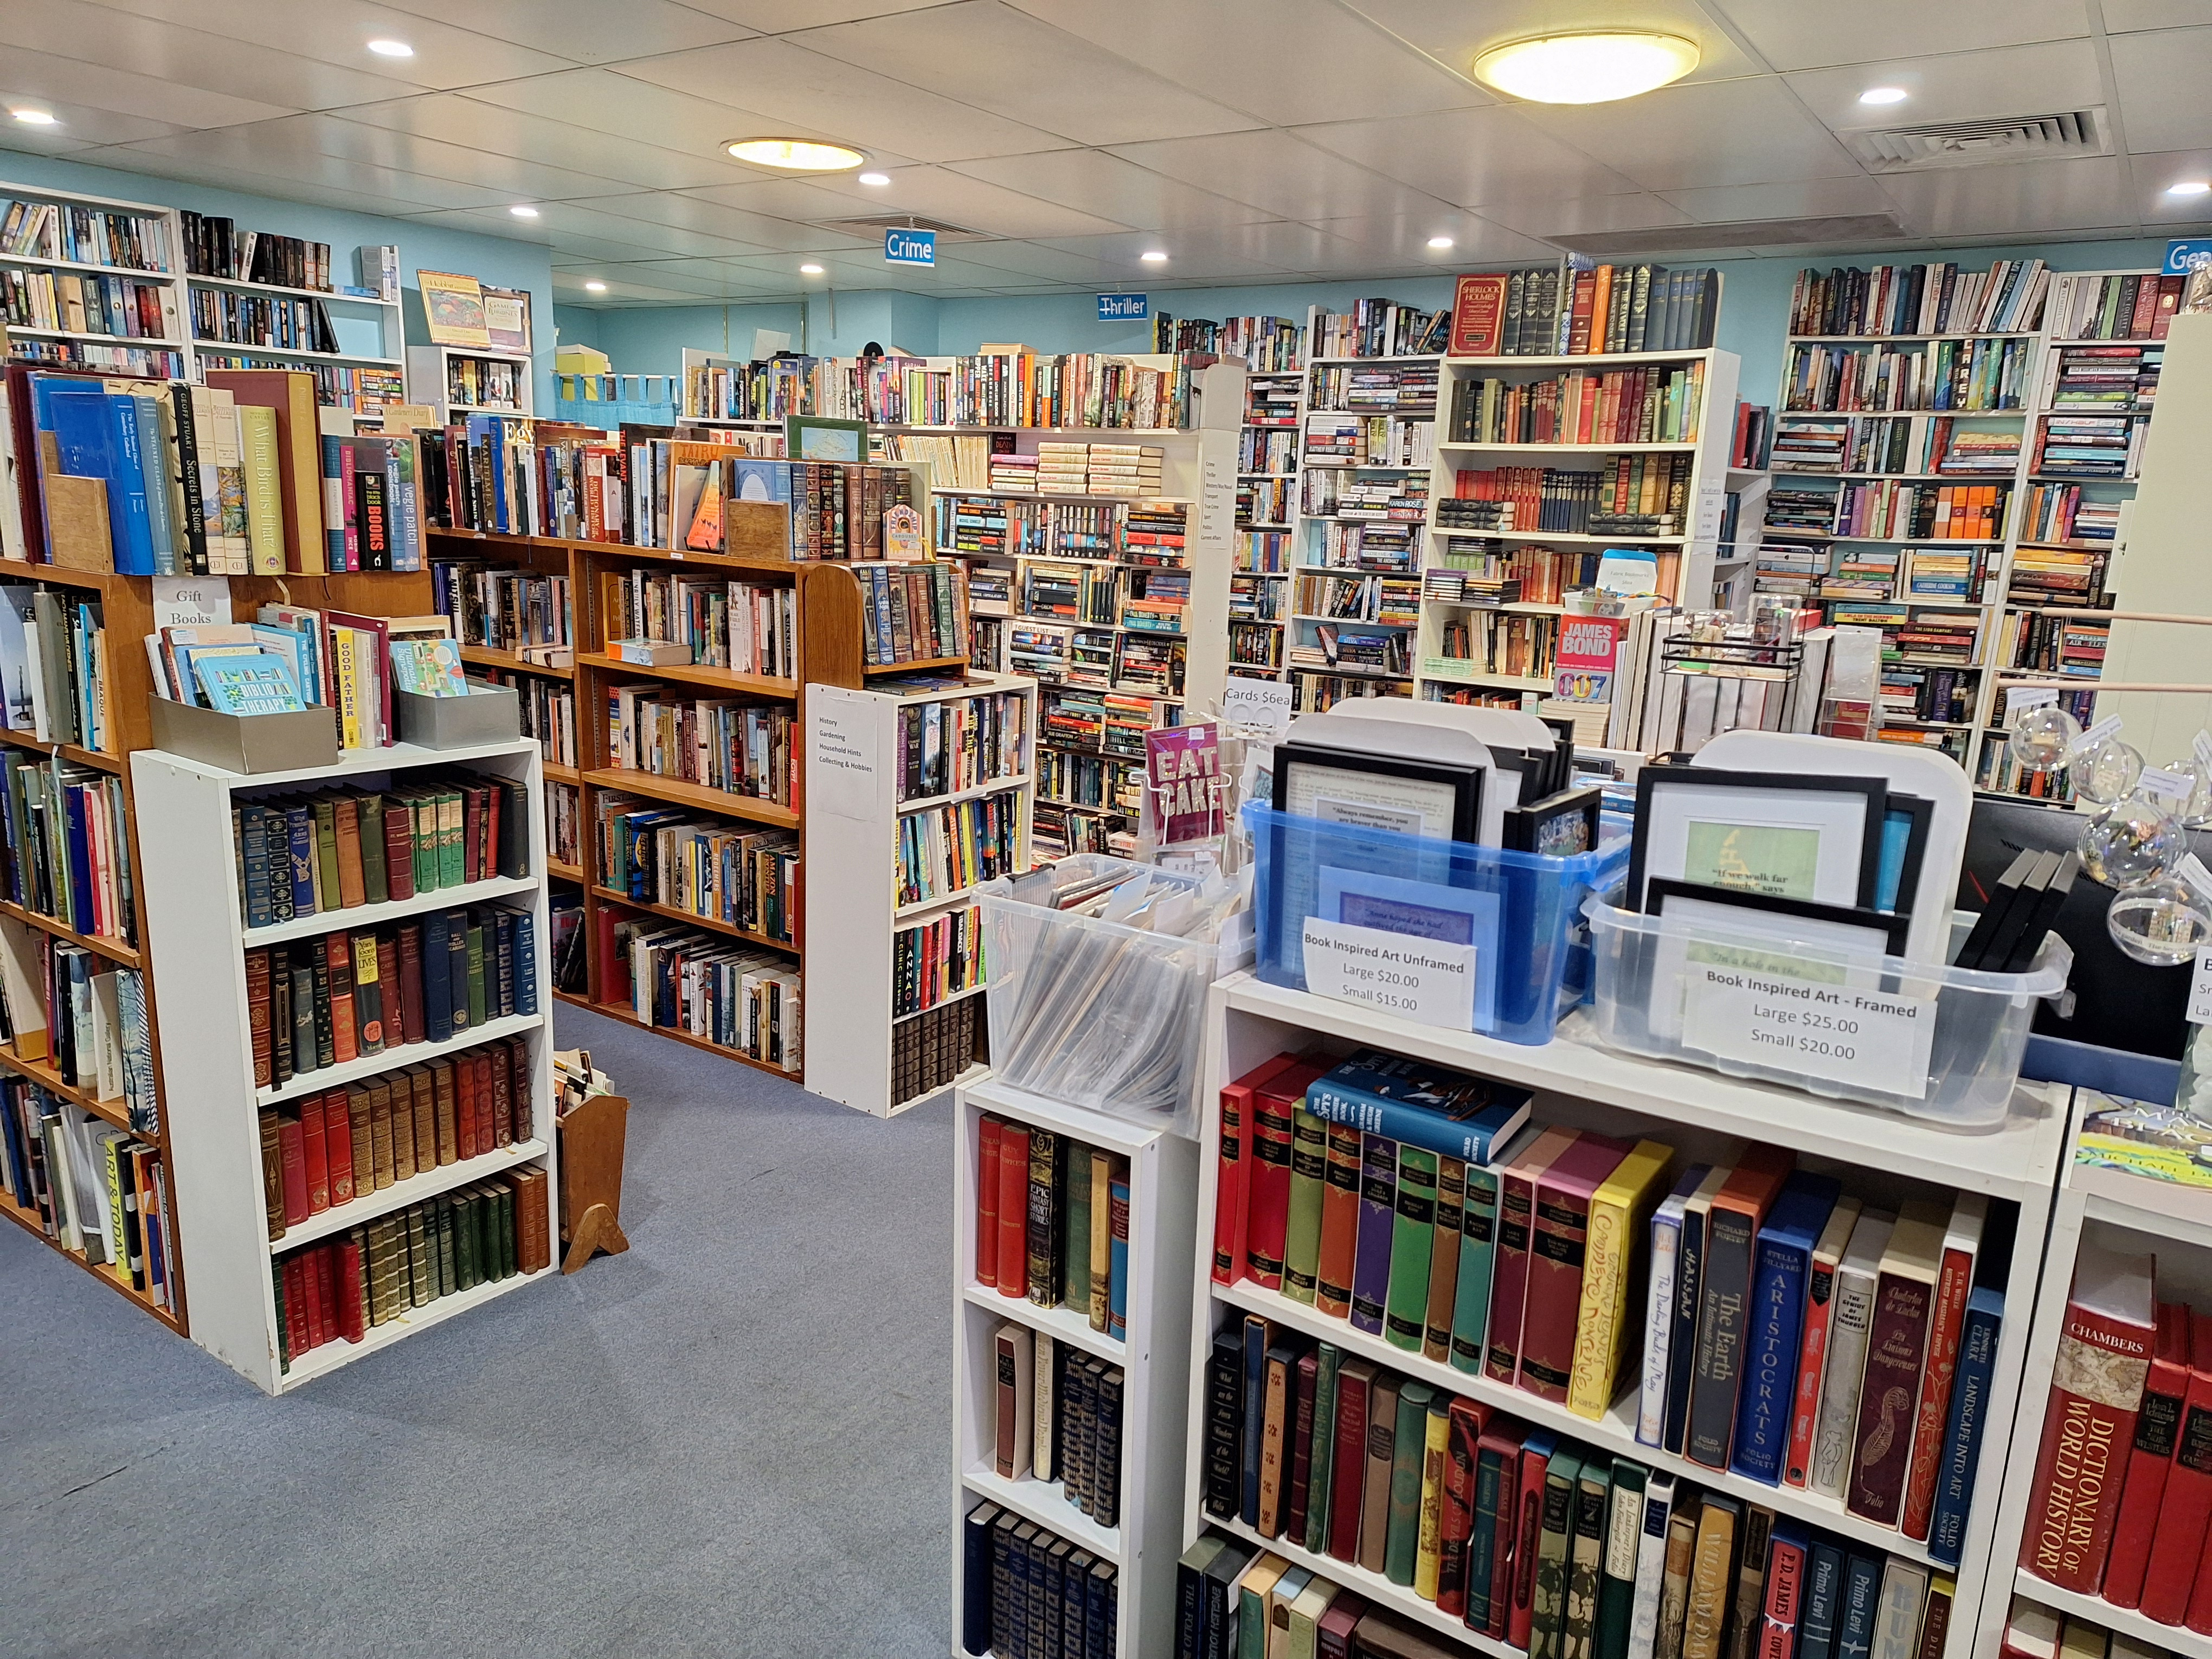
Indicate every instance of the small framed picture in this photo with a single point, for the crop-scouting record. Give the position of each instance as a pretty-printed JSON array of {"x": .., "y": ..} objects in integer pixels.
[
  {"x": 1378, "y": 792},
  {"x": 1768, "y": 936},
  {"x": 819, "y": 438},
  {"x": 1558, "y": 826},
  {"x": 1904, "y": 849},
  {"x": 1779, "y": 834}
]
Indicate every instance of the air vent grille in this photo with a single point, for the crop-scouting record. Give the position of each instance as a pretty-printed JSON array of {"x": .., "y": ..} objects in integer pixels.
[
  {"x": 876, "y": 223},
  {"x": 1978, "y": 143},
  {"x": 1846, "y": 230}
]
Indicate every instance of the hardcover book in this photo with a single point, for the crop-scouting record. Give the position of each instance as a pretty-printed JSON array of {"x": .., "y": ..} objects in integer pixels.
[
  {"x": 1962, "y": 1437},
  {"x": 2157, "y": 1430},
  {"x": 1739, "y": 1210},
  {"x": 1812, "y": 1348},
  {"x": 1663, "y": 1267},
  {"x": 1516, "y": 1207},
  {"x": 1405, "y": 1315},
  {"x": 1954, "y": 1283},
  {"x": 1378, "y": 1211},
  {"x": 1896, "y": 1356},
  {"x": 1848, "y": 1325},
  {"x": 1783, "y": 1258},
  {"x": 1558, "y": 1248},
  {"x": 1605, "y": 1338},
  {"x": 2174, "y": 1581}
]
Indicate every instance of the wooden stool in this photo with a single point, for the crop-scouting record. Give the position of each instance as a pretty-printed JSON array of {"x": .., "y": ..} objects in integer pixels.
[{"x": 592, "y": 1137}]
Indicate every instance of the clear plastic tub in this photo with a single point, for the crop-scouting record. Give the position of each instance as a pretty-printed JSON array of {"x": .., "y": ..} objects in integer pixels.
[
  {"x": 1521, "y": 911},
  {"x": 1935, "y": 1042},
  {"x": 1098, "y": 1013}
]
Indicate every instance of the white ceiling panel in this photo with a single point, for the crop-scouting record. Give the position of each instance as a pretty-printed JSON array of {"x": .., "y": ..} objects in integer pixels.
[
  {"x": 1406, "y": 240},
  {"x": 1696, "y": 137},
  {"x": 761, "y": 233},
  {"x": 2163, "y": 78},
  {"x": 1113, "y": 188},
  {"x": 1211, "y": 49},
  {"x": 81, "y": 126},
  {"x": 456, "y": 119},
  {"x": 292, "y": 148},
  {"x": 809, "y": 95},
  {"x": 1230, "y": 252},
  {"x": 516, "y": 179},
  {"x": 2125, "y": 16},
  {"x": 568, "y": 289},
  {"x": 782, "y": 16},
  {"x": 1802, "y": 199},
  {"x": 1580, "y": 214},
  {"x": 1275, "y": 170},
  {"x": 1793, "y": 34},
  {"x": 360, "y": 189},
  {"x": 126, "y": 92},
  {"x": 599, "y": 100},
  {"x": 986, "y": 53},
  {"x": 818, "y": 196},
  {"x": 1961, "y": 86},
  {"x": 1028, "y": 261},
  {"x": 608, "y": 234},
  {"x": 1456, "y": 33},
  {"x": 959, "y": 199},
  {"x": 583, "y": 31},
  {"x": 2086, "y": 193},
  {"x": 2153, "y": 174},
  {"x": 1470, "y": 157}
]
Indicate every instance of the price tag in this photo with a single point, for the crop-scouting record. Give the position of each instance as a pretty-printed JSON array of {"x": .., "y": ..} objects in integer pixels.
[
  {"x": 1424, "y": 980},
  {"x": 2202, "y": 746},
  {"x": 2200, "y": 989},
  {"x": 2163, "y": 785},
  {"x": 2107, "y": 727},
  {"x": 1253, "y": 705},
  {"x": 1872, "y": 1039}
]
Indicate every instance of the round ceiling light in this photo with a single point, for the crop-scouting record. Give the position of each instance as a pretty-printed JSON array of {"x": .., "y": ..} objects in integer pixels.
[
  {"x": 1154, "y": 256},
  {"x": 595, "y": 286},
  {"x": 1883, "y": 95},
  {"x": 810, "y": 269},
  {"x": 392, "y": 49},
  {"x": 2191, "y": 187},
  {"x": 876, "y": 180},
  {"x": 1440, "y": 242},
  {"x": 1595, "y": 68},
  {"x": 796, "y": 155},
  {"x": 36, "y": 118}
]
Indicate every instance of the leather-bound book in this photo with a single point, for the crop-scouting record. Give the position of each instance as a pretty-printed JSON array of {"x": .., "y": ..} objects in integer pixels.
[
  {"x": 314, "y": 1155},
  {"x": 272, "y": 1172},
  {"x": 363, "y": 1139},
  {"x": 307, "y": 1052},
  {"x": 368, "y": 994},
  {"x": 396, "y": 1109},
  {"x": 464, "y": 1107},
  {"x": 352, "y": 1323},
  {"x": 380, "y": 1136},
  {"x": 1896, "y": 1355},
  {"x": 337, "y": 1142},
  {"x": 520, "y": 1075},
  {"x": 256, "y": 1000},
  {"x": 292, "y": 1160},
  {"x": 375, "y": 887},
  {"x": 345, "y": 1040},
  {"x": 503, "y": 1099},
  {"x": 346, "y": 814},
  {"x": 442, "y": 1089},
  {"x": 437, "y": 978},
  {"x": 280, "y": 1017},
  {"x": 411, "y": 1026},
  {"x": 398, "y": 816}
]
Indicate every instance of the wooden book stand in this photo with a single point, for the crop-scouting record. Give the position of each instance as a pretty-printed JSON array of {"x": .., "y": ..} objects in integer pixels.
[{"x": 591, "y": 1139}]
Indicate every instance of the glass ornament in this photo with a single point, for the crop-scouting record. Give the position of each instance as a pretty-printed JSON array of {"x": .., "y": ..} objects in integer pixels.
[
  {"x": 2104, "y": 773},
  {"x": 2160, "y": 922},
  {"x": 2043, "y": 739}
]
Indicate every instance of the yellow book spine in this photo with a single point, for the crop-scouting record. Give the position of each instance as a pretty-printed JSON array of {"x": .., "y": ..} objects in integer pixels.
[
  {"x": 264, "y": 499},
  {"x": 1620, "y": 1209},
  {"x": 1435, "y": 1438},
  {"x": 341, "y": 653}
]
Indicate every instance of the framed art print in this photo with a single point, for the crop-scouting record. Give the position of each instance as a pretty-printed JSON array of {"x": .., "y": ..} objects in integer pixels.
[
  {"x": 1780, "y": 835},
  {"x": 819, "y": 438},
  {"x": 1378, "y": 792}
]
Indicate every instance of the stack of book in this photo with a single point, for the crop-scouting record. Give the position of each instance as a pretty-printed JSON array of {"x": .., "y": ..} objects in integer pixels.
[
  {"x": 1052, "y": 1222},
  {"x": 1069, "y": 592},
  {"x": 1978, "y": 452},
  {"x": 1153, "y": 601},
  {"x": 2090, "y": 445},
  {"x": 214, "y": 246},
  {"x": 743, "y": 748},
  {"x": 2056, "y": 575},
  {"x": 1818, "y": 447},
  {"x": 912, "y": 613},
  {"x": 2133, "y": 305},
  {"x": 676, "y": 978},
  {"x": 1342, "y": 493},
  {"x": 1153, "y": 532},
  {"x": 2106, "y": 377},
  {"x": 1447, "y": 586},
  {"x": 1392, "y": 546},
  {"x": 1063, "y": 469},
  {"x": 1123, "y": 469},
  {"x": 1013, "y": 475},
  {"x": 2060, "y": 512},
  {"x": 1623, "y": 406},
  {"x": 935, "y": 961},
  {"x": 1801, "y": 511},
  {"x": 1929, "y": 298},
  {"x": 1057, "y": 1418},
  {"x": 1581, "y": 308},
  {"x": 1151, "y": 667},
  {"x": 1378, "y": 328},
  {"x": 746, "y": 878},
  {"x": 1400, "y": 388},
  {"x": 525, "y": 611},
  {"x": 98, "y": 1192},
  {"x": 751, "y": 627}
]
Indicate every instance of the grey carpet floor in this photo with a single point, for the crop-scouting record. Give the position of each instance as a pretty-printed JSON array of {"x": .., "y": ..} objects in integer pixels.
[{"x": 735, "y": 1439}]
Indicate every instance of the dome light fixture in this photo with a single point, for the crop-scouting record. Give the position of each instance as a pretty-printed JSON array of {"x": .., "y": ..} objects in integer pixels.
[
  {"x": 36, "y": 118},
  {"x": 795, "y": 155},
  {"x": 1154, "y": 256},
  {"x": 874, "y": 180},
  {"x": 1440, "y": 243},
  {"x": 521, "y": 211},
  {"x": 595, "y": 286},
  {"x": 810, "y": 269},
  {"x": 1591, "y": 67},
  {"x": 392, "y": 49},
  {"x": 2190, "y": 187},
  {"x": 1883, "y": 95}
]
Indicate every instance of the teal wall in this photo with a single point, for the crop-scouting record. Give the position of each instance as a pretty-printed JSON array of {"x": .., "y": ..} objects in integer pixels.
[{"x": 495, "y": 259}]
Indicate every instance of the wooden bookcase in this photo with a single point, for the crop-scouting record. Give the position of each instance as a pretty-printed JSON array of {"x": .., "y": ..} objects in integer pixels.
[
  {"x": 1259, "y": 591},
  {"x": 1153, "y": 1356},
  {"x": 1706, "y": 1118},
  {"x": 192, "y": 898}
]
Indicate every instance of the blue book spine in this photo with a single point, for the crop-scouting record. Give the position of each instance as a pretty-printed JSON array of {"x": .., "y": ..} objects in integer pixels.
[
  {"x": 131, "y": 523},
  {"x": 1824, "y": 1583},
  {"x": 19, "y": 1169},
  {"x": 1862, "y": 1594},
  {"x": 1469, "y": 1139},
  {"x": 526, "y": 963},
  {"x": 1962, "y": 1438},
  {"x": 1256, "y": 1414},
  {"x": 300, "y": 826},
  {"x": 457, "y": 966},
  {"x": 1117, "y": 1293},
  {"x": 1378, "y": 1210},
  {"x": 253, "y": 847},
  {"x": 1770, "y": 1374},
  {"x": 437, "y": 970},
  {"x": 1018, "y": 1598},
  {"x": 161, "y": 523},
  {"x": 80, "y": 861},
  {"x": 1103, "y": 1620},
  {"x": 334, "y": 538}
]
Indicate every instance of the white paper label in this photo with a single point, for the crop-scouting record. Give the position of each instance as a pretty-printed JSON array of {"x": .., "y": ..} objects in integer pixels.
[
  {"x": 2019, "y": 701},
  {"x": 2191, "y": 870},
  {"x": 1425, "y": 980},
  {"x": 2202, "y": 745},
  {"x": 1870, "y": 1039},
  {"x": 1256, "y": 706},
  {"x": 2107, "y": 727},
  {"x": 2163, "y": 785},
  {"x": 841, "y": 771},
  {"x": 191, "y": 601},
  {"x": 2200, "y": 989}
]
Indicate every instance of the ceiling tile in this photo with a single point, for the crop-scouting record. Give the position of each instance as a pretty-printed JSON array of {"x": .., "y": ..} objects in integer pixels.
[
  {"x": 79, "y": 126},
  {"x": 1471, "y": 157},
  {"x": 1028, "y": 262},
  {"x": 583, "y": 31},
  {"x": 356, "y": 190},
  {"x": 1959, "y": 86},
  {"x": 2085, "y": 193},
  {"x": 1803, "y": 198},
  {"x": 984, "y": 53},
  {"x": 599, "y": 100},
  {"x": 1210, "y": 49},
  {"x": 1792, "y": 34},
  {"x": 1276, "y": 171},
  {"x": 2161, "y": 76},
  {"x": 125, "y": 92},
  {"x": 761, "y": 233},
  {"x": 565, "y": 222},
  {"x": 1579, "y": 215},
  {"x": 1475, "y": 241},
  {"x": 932, "y": 193},
  {"x": 1112, "y": 188},
  {"x": 292, "y": 149},
  {"x": 1456, "y": 33},
  {"x": 568, "y": 289},
  {"x": 2154, "y": 172},
  {"x": 455, "y": 118},
  {"x": 1260, "y": 252},
  {"x": 515, "y": 180},
  {"x": 806, "y": 94},
  {"x": 1698, "y": 135},
  {"x": 2123, "y": 16},
  {"x": 782, "y": 16}
]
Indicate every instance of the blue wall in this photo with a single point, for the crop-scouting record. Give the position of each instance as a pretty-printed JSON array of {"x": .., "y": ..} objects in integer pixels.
[{"x": 495, "y": 259}]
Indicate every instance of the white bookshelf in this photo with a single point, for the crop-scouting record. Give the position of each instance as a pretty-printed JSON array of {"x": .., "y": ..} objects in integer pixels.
[
  {"x": 852, "y": 909},
  {"x": 189, "y": 881},
  {"x": 2140, "y": 1215},
  {"x": 1268, "y": 592},
  {"x": 45, "y": 258},
  {"x": 383, "y": 314},
  {"x": 1154, "y": 1358},
  {"x": 1704, "y": 1117},
  {"x": 429, "y": 366}
]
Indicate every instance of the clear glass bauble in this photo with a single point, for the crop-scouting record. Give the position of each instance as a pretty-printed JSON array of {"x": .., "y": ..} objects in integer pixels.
[
  {"x": 2043, "y": 739},
  {"x": 2105, "y": 773},
  {"x": 2160, "y": 922},
  {"x": 2196, "y": 810},
  {"x": 2128, "y": 844}
]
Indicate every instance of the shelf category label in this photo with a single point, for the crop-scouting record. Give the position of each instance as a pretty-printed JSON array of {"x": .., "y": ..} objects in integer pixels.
[{"x": 1874, "y": 1039}]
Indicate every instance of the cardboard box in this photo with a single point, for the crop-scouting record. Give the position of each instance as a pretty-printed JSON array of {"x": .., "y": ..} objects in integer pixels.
[
  {"x": 489, "y": 713},
  {"x": 247, "y": 742}
]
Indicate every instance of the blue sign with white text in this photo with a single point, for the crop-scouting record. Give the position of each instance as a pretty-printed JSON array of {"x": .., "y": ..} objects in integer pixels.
[
  {"x": 910, "y": 248},
  {"x": 1124, "y": 307},
  {"x": 2181, "y": 257}
]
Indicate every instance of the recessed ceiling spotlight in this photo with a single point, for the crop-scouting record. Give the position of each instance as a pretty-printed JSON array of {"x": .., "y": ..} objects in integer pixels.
[
  {"x": 810, "y": 269},
  {"x": 1592, "y": 68},
  {"x": 36, "y": 118},
  {"x": 2190, "y": 187},
  {"x": 878, "y": 180},
  {"x": 392, "y": 49},
  {"x": 1440, "y": 242},
  {"x": 1154, "y": 256},
  {"x": 595, "y": 286},
  {"x": 800, "y": 155},
  {"x": 521, "y": 212},
  {"x": 1883, "y": 95}
]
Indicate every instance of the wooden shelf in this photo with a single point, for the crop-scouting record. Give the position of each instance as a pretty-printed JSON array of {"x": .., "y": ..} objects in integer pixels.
[
  {"x": 712, "y": 924},
  {"x": 623, "y": 1010},
  {"x": 95, "y": 759},
  {"x": 557, "y": 772},
  {"x": 45, "y": 1074},
  {"x": 488, "y": 656},
  {"x": 716, "y": 679},
  {"x": 120, "y": 1282},
  {"x": 565, "y": 871},
  {"x": 921, "y": 666},
  {"x": 680, "y": 792},
  {"x": 114, "y": 949}
]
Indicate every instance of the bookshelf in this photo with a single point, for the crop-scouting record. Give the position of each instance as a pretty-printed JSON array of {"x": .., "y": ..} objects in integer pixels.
[
  {"x": 869, "y": 801},
  {"x": 1705, "y": 1118},
  {"x": 713, "y": 382},
  {"x": 1262, "y": 580},
  {"x": 1153, "y": 1359},
  {"x": 495, "y": 382},
  {"x": 191, "y": 886},
  {"x": 2137, "y": 1215},
  {"x": 35, "y": 275},
  {"x": 360, "y": 382}
]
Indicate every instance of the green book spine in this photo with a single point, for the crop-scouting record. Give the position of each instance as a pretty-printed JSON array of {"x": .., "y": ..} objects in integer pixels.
[
  {"x": 507, "y": 1267},
  {"x": 1549, "y": 1604},
  {"x": 1309, "y": 1174},
  {"x": 373, "y": 889},
  {"x": 486, "y": 1211},
  {"x": 1443, "y": 1261},
  {"x": 1406, "y": 1312},
  {"x": 326, "y": 856},
  {"x": 476, "y": 979},
  {"x": 1624, "y": 1534},
  {"x": 451, "y": 817},
  {"x": 447, "y": 1283},
  {"x": 1075, "y": 1253},
  {"x": 1478, "y": 1242},
  {"x": 1327, "y": 1358},
  {"x": 426, "y": 843},
  {"x": 423, "y": 1287},
  {"x": 1586, "y": 1559},
  {"x": 1401, "y": 1542},
  {"x": 465, "y": 1245}
]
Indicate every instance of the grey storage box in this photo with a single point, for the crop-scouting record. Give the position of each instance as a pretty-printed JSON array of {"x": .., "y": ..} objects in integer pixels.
[
  {"x": 489, "y": 713},
  {"x": 247, "y": 742}
]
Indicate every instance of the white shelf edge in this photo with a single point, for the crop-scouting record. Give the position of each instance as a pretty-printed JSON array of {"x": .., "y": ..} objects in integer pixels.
[
  {"x": 391, "y": 1060},
  {"x": 362, "y": 916},
  {"x": 1060, "y": 1324},
  {"x": 1040, "y": 1501},
  {"x": 332, "y": 1356},
  {"x": 382, "y": 1201}
]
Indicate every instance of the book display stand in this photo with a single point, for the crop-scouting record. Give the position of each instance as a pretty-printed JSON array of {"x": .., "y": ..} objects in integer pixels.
[{"x": 591, "y": 1139}]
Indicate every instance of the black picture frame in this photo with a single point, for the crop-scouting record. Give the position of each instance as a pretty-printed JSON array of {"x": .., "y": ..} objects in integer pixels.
[
  {"x": 1889, "y": 928},
  {"x": 1465, "y": 783},
  {"x": 1921, "y": 812},
  {"x": 1528, "y": 828},
  {"x": 1655, "y": 776}
]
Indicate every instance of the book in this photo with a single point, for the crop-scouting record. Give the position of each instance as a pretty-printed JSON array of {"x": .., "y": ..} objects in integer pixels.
[
  {"x": 1787, "y": 1558},
  {"x": 1490, "y": 1547},
  {"x": 1897, "y": 1612},
  {"x": 1775, "y": 1329},
  {"x": 1408, "y": 1457},
  {"x": 1613, "y": 1614},
  {"x": 1586, "y": 1550},
  {"x": 1663, "y": 1265},
  {"x": 1378, "y": 1211},
  {"x": 2173, "y": 1579},
  {"x": 1558, "y": 1248},
  {"x": 1411, "y": 1249},
  {"x": 1478, "y": 1254},
  {"x": 1849, "y": 1324},
  {"x": 1447, "y": 1238},
  {"x": 1525, "y": 1496},
  {"x": 2150, "y": 1456},
  {"x": 1428, "y": 1527},
  {"x": 1655, "y": 1527},
  {"x": 1962, "y": 1239},
  {"x": 1231, "y": 1180},
  {"x": 1738, "y": 1211},
  {"x": 1823, "y": 1596},
  {"x": 1466, "y": 1482},
  {"x": 1509, "y": 1271},
  {"x": 1896, "y": 1359},
  {"x": 1813, "y": 1347},
  {"x": 1444, "y": 1112},
  {"x": 1674, "y": 1581},
  {"x": 1301, "y": 1227},
  {"x": 1962, "y": 1438},
  {"x": 1547, "y": 1620},
  {"x": 1713, "y": 1577},
  {"x": 1339, "y": 1224},
  {"x": 1689, "y": 1276},
  {"x": 1756, "y": 1533},
  {"x": 1381, "y": 1448},
  {"x": 1354, "y": 1391},
  {"x": 1620, "y": 1212},
  {"x": 1861, "y": 1597},
  {"x": 1274, "y": 1104}
]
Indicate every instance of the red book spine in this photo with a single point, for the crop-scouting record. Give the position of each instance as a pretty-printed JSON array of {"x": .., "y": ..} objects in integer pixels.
[
  {"x": 1350, "y": 1475},
  {"x": 1953, "y": 1286},
  {"x": 1517, "y": 1204},
  {"x": 1230, "y": 1188},
  {"x": 1811, "y": 1367},
  {"x": 295, "y": 1304},
  {"x": 292, "y": 1155},
  {"x": 349, "y": 1273},
  {"x": 1896, "y": 1359},
  {"x": 1527, "y": 1525},
  {"x": 310, "y": 1296},
  {"x": 2176, "y": 1555},
  {"x": 1785, "y": 1585},
  {"x": 324, "y": 1302},
  {"x": 1505, "y": 1438},
  {"x": 2086, "y": 1428},
  {"x": 497, "y": 1127},
  {"x": 1455, "y": 1524},
  {"x": 337, "y": 1146},
  {"x": 987, "y": 1202},
  {"x": 313, "y": 1157},
  {"x": 398, "y": 849},
  {"x": 1014, "y": 1210},
  {"x": 2158, "y": 1428},
  {"x": 1268, "y": 1208},
  {"x": 471, "y": 834}
]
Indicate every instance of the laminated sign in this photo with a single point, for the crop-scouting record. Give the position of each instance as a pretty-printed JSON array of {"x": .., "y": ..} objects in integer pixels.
[{"x": 1182, "y": 766}]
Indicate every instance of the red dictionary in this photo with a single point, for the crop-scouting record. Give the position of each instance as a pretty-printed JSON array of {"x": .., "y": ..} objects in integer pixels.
[
  {"x": 1954, "y": 1282},
  {"x": 1456, "y": 1522},
  {"x": 1558, "y": 1235},
  {"x": 2158, "y": 1427},
  {"x": 2173, "y": 1588},
  {"x": 348, "y": 1290},
  {"x": 1352, "y": 1383},
  {"x": 987, "y": 1202},
  {"x": 292, "y": 1156},
  {"x": 1267, "y": 1174},
  {"x": 314, "y": 1156},
  {"x": 1014, "y": 1210},
  {"x": 1528, "y": 1527},
  {"x": 1231, "y": 1189},
  {"x": 2096, "y": 1388},
  {"x": 337, "y": 1146}
]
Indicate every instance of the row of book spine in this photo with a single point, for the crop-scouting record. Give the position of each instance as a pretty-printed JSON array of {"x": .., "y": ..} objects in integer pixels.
[
  {"x": 1028, "y": 1593},
  {"x": 100, "y": 1193},
  {"x": 1056, "y": 1416},
  {"x": 742, "y": 875}
]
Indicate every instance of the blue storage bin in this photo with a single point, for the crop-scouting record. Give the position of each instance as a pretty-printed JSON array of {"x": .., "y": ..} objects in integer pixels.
[{"x": 1521, "y": 911}]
